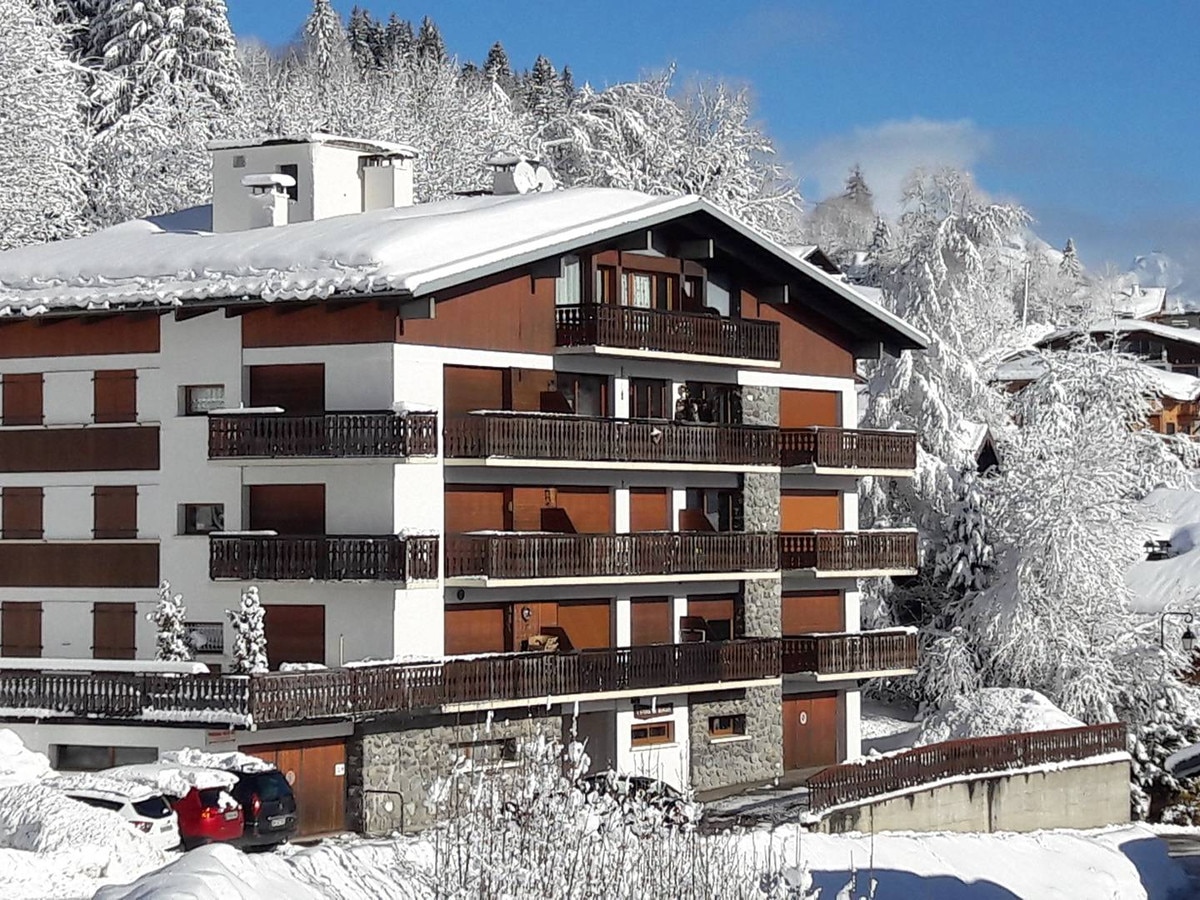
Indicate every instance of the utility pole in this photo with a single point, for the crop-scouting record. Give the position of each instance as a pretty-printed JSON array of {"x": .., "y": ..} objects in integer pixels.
[{"x": 1025, "y": 296}]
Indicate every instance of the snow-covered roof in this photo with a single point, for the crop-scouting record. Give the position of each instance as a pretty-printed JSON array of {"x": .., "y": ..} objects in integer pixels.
[
  {"x": 407, "y": 251},
  {"x": 1175, "y": 385},
  {"x": 1173, "y": 515},
  {"x": 1140, "y": 302},
  {"x": 1025, "y": 365},
  {"x": 1126, "y": 326},
  {"x": 375, "y": 148}
]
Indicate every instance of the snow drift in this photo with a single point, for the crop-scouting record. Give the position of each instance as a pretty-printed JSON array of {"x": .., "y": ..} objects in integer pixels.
[{"x": 991, "y": 711}]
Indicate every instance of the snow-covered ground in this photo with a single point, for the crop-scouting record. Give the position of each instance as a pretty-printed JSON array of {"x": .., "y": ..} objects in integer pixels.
[
  {"x": 887, "y": 727},
  {"x": 993, "y": 711},
  {"x": 1173, "y": 582}
]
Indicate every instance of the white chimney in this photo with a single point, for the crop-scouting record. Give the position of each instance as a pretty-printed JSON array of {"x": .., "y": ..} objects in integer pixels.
[
  {"x": 268, "y": 198},
  {"x": 387, "y": 182}
]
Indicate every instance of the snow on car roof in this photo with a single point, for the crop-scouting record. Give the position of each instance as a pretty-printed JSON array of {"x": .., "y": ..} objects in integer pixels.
[
  {"x": 174, "y": 779},
  {"x": 98, "y": 784},
  {"x": 233, "y": 761}
]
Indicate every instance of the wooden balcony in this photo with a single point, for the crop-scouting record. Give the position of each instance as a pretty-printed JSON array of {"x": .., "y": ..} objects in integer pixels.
[
  {"x": 350, "y": 435},
  {"x": 255, "y": 557},
  {"x": 580, "y": 439},
  {"x": 846, "y": 554},
  {"x": 830, "y": 657},
  {"x": 684, "y": 333},
  {"x": 655, "y": 555},
  {"x": 281, "y": 698},
  {"x": 837, "y": 450}
]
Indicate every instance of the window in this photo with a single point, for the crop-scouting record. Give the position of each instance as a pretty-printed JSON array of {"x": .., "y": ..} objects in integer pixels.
[
  {"x": 701, "y": 401},
  {"x": 115, "y": 511},
  {"x": 649, "y": 734},
  {"x": 693, "y": 293},
  {"x": 89, "y": 758},
  {"x": 21, "y": 514},
  {"x": 649, "y": 290},
  {"x": 641, "y": 288},
  {"x": 727, "y": 726},
  {"x": 568, "y": 287},
  {"x": 202, "y": 518},
  {"x": 648, "y": 398},
  {"x": 1170, "y": 428},
  {"x": 22, "y": 399},
  {"x": 294, "y": 170},
  {"x": 586, "y": 395},
  {"x": 605, "y": 288},
  {"x": 239, "y": 161},
  {"x": 493, "y": 752},
  {"x": 205, "y": 637},
  {"x": 115, "y": 395},
  {"x": 199, "y": 399},
  {"x": 711, "y": 509}
]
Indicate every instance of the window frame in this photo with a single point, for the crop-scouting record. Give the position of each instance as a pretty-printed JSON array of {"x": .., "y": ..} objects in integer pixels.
[
  {"x": 186, "y": 519},
  {"x": 728, "y": 725},
  {"x": 185, "y": 399},
  {"x": 652, "y": 734},
  {"x": 663, "y": 386}
]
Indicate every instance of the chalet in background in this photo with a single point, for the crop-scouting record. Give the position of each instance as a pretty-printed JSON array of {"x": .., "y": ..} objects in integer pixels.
[{"x": 566, "y": 461}]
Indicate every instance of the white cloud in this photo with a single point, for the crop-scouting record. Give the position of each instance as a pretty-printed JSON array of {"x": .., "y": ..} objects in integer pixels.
[{"x": 888, "y": 152}]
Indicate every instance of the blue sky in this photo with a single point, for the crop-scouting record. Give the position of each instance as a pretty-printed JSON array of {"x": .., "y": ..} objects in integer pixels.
[{"x": 1085, "y": 113}]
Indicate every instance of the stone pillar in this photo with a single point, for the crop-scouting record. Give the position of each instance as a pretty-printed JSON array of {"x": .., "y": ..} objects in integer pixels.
[
  {"x": 754, "y": 756},
  {"x": 760, "y": 503}
]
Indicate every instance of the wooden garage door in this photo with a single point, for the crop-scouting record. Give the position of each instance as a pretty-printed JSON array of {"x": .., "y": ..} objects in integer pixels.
[
  {"x": 649, "y": 509},
  {"x": 810, "y": 730},
  {"x": 799, "y": 409},
  {"x": 650, "y": 621},
  {"x": 586, "y": 623},
  {"x": 316, "y": 771},
  {"x": 475, "y": 629},
  {"x": 809, "y": 612},
  {"x": 467, "y": 387},
  {"x": 288, "y": 508},
  {"x": 474, "y": 508},
  {"x": 299, "y": 389},
  {"x": 294, "y": 633},
  {"x": 21, "y": 628},
  {"x": 807, "y": 510},
  {"x": 113, "y": 631}
]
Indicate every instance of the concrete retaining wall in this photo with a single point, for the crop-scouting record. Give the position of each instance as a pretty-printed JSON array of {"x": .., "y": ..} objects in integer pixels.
[{"x": 1084, "y": 795}]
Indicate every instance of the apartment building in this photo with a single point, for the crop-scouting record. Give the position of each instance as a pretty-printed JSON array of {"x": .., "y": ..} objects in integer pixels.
[{"x": 564, "y": 462}]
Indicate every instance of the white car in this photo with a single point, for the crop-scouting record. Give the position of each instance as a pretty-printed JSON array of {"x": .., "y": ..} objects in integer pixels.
[{"x": 142, "y": 806}]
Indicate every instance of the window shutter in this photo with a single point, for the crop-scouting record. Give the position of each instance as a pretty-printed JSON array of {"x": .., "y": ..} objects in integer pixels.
[
  {"x": 21, "y": 513},
  {"x": 115, "y": 392},
  {"x": 115, "y": 513},
  {"x": 22, "y": 399},
  {"x": 21, "y": 629}
]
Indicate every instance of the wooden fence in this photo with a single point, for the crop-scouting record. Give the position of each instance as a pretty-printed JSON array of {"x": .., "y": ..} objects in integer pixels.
[
  {"x": 847, "y": 448},
  {"x": 848, "y": 551},
  {"x": 864, "y": 651},
  {"x": 323, "y": 557}
]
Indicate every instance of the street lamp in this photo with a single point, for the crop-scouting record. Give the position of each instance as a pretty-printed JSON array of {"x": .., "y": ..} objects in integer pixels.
[{"x": 1188, "y": 639}]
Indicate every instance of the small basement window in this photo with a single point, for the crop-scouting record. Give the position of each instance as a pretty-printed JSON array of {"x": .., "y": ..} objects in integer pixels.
[
  {"x": 650, "y": 734},
  {"x": 202, "y": 518},
  {"x": 89, "y": 758},
  {"x": 726, "y": 726},
  {"x": 201, "y": 399},
  {"x": 492, "y": 752}
]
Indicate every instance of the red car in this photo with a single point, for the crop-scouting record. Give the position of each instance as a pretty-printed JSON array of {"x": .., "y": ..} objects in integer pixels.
[{"x": 202, "y": 799}]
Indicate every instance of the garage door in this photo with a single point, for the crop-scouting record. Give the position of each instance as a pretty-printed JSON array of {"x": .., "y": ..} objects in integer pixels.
[
  {"x": 808, "y": 510},
  {"x": 810, "y": 731},
  {"x": 811, "y": 612},
  {"x": 294, "y": 633},
  {"x": 799, "y": 409},
  {"x": 316, "y": 770}
]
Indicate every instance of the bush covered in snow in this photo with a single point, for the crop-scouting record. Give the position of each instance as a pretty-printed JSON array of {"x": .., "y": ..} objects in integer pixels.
[
  {"x": 249, "y": 635},
  {"x": 170, "y": 643},
  {"x": 992, "y": 711}
]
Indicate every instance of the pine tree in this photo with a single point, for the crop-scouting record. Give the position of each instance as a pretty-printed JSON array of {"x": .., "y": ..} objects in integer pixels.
[
  {"x": 857, "y": 191},
  {"x": 249, "y": 636},
  {"x": 429, "y": 44},
  {"x": 544, "y": 92},
  {"x": 1070, "y": 267},
  {"x": 325, "y": 39},
  {"x": 968, "y": 557},
  {"x": 496, "y": 64},
  {"x": 399, "y": 41},
  {"x": 567, "y": 85},
  {"x": 77, "y": 16},
  {"x": 360, "y": 34},
  {"x": 170, "y": 643}
]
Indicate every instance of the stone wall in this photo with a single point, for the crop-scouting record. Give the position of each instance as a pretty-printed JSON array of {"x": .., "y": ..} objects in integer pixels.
[
  {"x": 760, "y": 405},
  {"x": 760, "y": 613},
  {"x": 722, "y": 762},
  {"x": 392, "y": 766}
]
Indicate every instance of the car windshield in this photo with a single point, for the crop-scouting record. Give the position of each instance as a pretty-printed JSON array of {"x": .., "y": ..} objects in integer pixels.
[
  {"x": 271, "y": 786},
  {"x": 152, "y": 808}
]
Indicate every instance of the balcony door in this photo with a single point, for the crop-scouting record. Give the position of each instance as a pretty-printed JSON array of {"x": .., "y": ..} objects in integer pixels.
[
  {"x": 810, "y": 510},
  {"x": 294, "y": 633},
  {"x": 288, "y": 509},
  {"x": 298, "y": 389}
]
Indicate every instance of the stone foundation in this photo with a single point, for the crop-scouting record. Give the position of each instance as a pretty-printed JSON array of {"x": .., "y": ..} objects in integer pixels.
[{"x": 756, "y": 756}]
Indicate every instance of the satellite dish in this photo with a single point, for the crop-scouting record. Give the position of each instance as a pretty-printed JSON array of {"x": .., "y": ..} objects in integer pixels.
[
  {"x": 524, "y": 178},
  {"x": 545, "y": 180},
  {"x": 502, "y": 159}
]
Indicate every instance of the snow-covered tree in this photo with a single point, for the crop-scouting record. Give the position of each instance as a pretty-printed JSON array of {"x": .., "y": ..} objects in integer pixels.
[
  {"x": 42, "y": 136},
  {"x": 1070, "y": 266},
  {"x": 399, "y": 41},
  {"x": 362, "y": 38},
  {"x": 857, "y": 191},
  {"x": 966, "y": 561},
  {"x": 429, "y": 44},
  {"x": 170, "y": 642},
  {"x": 249, "y": 634},
  {"x": 325, "y": 40},
  {"x": 543, "y": 92}
]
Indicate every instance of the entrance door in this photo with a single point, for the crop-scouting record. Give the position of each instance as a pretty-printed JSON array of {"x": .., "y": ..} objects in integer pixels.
[
  {"x": 810, "y": 730},
  {"x": 316, "y": 770},
  {"x": 113, "y": 627},
  {"x": 294, "y": 633}
]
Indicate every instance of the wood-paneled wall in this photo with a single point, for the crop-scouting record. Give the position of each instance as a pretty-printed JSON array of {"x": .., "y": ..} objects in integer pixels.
[
  {"x": 808, "y": 510},
  {"x": 510, "y": 312},
  {"x": 79, "y": 564},
  {"x": 813, "y": 612},
  {"x": 808, "y": 345},
  {"x": 80, "y": 450},
  {"x": 79, "y": 336}
]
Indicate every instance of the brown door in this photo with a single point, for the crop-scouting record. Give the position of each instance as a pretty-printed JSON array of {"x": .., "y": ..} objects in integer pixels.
[
  {"x": 475, "y": 629},
  {"x": 798, "y": 409},
  {"x": 294, "y": 633},
  {"x": 650, "y": 621},
  {"x": 811, "y": 612},
  {"x": 113, "y": 631},
  {"x": 474, "y": 508},
  {"x": 810, "y": 731},
  {"x": 288, "y": 508},
  {"x": 316, "y": 770},
  {"x": 298, "y": 389},
  {"x": 20, "y": 628},
  {"x": 467, "y": 388},
  {"x": 649, "y": 509},
  {"x": 809, "y": 510},
  {"x": 586, "y": 623}
]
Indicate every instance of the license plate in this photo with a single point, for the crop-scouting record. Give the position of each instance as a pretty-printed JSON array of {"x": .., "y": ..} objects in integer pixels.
[
  {"x": 278, "y": 821},
  {"x": 231, "y": 815},
  {"x": 165, "y": 826}
]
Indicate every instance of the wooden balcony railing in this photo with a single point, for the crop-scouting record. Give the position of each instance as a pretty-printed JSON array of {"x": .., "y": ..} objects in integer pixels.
[
  {"x": 862, "y": 780},
  {"x": 539, "y": 555},
  {"x": 845, "y": 654},
  {"x": 330, "y": 436},
  {"x": 530, "y": 436},
  {"x": 846, "y": 448},
  {"x": 635, "y": 328},
  {"x": 849, "y": 551},
  {"x": 323, "y": 558}
]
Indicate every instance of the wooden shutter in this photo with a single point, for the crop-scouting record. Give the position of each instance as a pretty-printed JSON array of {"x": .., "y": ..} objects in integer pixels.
[
  {"x": 113, "y": 631},
  {"x": 590, "y": 509},
  {"x": 811, "y": 612},
  {"x": 474, "y": 508},
  {"x": 649, "y": 509},
  {"x": 808, "y": 510},
  {"x": 115, "y": 512},
  {"x": 294, "y": 633},
  {"x": 21, "y": 513},
  {"x": 475, "y": 629},
  {"x": 800, "y": 409},
  {"x": 20, "y": 628},
  {"x": 299, "y": 389},
  {"x": 466, "y": 388},
  {"x": 587, "y": 623},
  {"x": 115, "y": 395},
  {"x": 650, "y": 621},
  {"x": 717, "y": 612},
  {"x": 22, "y": 399},
  {"x": 288, "y": 508}
]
